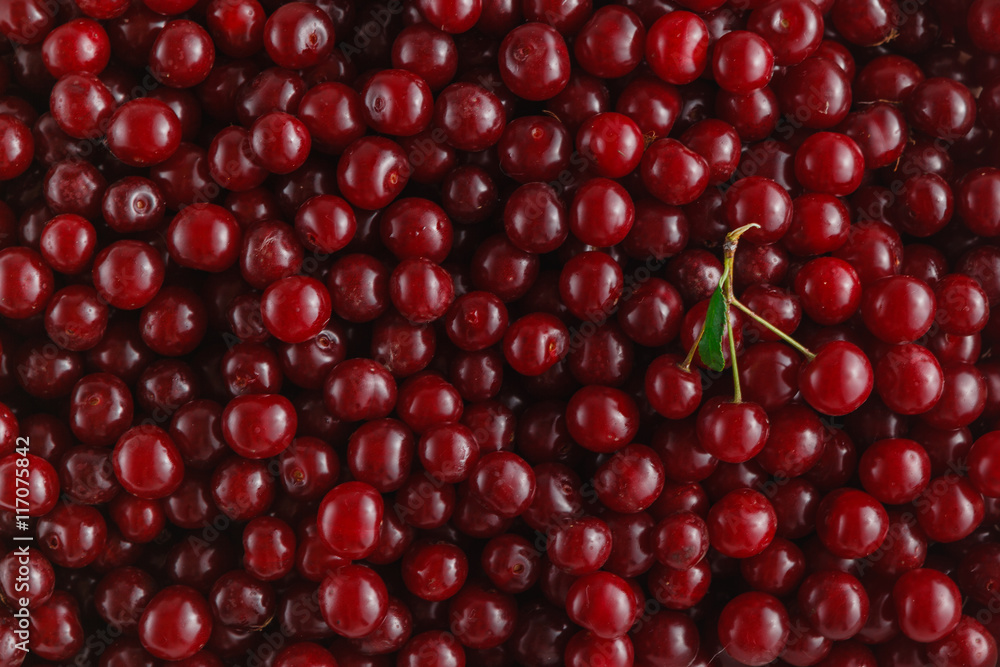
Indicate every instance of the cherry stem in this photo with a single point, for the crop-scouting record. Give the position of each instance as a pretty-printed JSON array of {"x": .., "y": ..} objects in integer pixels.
[
  {"x": 686, "y": 364},
  {"x": 775, "y": 330},
  {"x": 733, "y": 238},
  {"x": 726, "y": 283},
  {"x": 737, "y": 391},
  {"x": 729, "y": 249}
]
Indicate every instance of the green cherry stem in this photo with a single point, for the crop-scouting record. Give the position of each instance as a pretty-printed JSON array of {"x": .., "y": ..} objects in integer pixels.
[
  {"x": 729, "y": 248},
  {"x": 737, "y": 391},
  {"x": 773, "y": 329},
  {"x": 686, "y": 364},
  {"x": 726, "y": 283}
]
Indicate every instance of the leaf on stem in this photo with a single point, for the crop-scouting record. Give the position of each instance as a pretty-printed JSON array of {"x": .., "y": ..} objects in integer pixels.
[{"x": 710, "y": 347}]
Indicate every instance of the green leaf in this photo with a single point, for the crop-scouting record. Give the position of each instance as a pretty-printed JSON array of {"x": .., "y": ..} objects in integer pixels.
[{"x": 710, "y": 347}]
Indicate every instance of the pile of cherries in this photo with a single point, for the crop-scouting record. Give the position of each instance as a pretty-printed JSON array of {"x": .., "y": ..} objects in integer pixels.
[{"x": 394, "y": 333}]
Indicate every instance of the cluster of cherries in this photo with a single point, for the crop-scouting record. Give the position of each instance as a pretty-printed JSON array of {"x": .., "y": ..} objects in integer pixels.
[{"x": 396, "y": 333}]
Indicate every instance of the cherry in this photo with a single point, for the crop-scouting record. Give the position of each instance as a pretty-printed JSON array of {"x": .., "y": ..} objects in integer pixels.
[
  {"x": 535, "y": 343},
  {"x": 754, "y": 628},
  {"x": 132, "y": 204},
  {"x": 143, "y": 132},
  {"x": 741, "y": 524},
  {"x": 794, "y": 95},
  {"x": 236, "y": 28},
  {"x": 602, "y": 419},
  {"x": 680, "y": 540},
  {"x": 610, "y": 44},
  {"x": 345, "y": 123},
  {"x": 434, "y": 570},
  {"x": 397, "y": 102},
  {"x": 672, "y": 391},
  {"x": 511, "y": 563},
  {"x": 240, "y": 487},
  {"x": 269, "y": 548},
  {"x": 428, "y": 52},
  {"x": 898, "y": 309},
  {"x": 630, "y": 480},
  {"x": 909, "y": 379},
  {"x": 793, "y": 29},
  {"x": 652, "y": 104},
  {"x": 182, "y": 54},
  {"x": 941, "y": 108},
  {"x": 434, "y": 647},
  {"x": 603, "y": 603},
  {"x": 174, "y": 322},
  {"x": 147, "y": 463},
  {"x": 481, "y": 617},
  {"x": 602, "y": 213},
  {"x": 471, "y": 117},
  {"x": 837, "y": 380},
  {"x": 534, "y": 61},
  {"x": 776, "y": 570},
  {"x": 969, "y": 641},
  {"x": 304, "y": 651},
  {"x": 27, "y": 574},
  {"x": 732, "y": 432},
  {"x": 380, "y": 453},
  {"x": 590, "y": 285},
  {"x": 421, "y": 290},
  {"x": 280, "y": 142},
  {"x": 829, "y": 162},
  {"x": 238, "y": 600},
  {"x": 298, "y": 35},
  {"x": 982, "y": 460},
  {"x": 56, "y": 628},
  {"x": 895, "y": 471},
  {"x": 666, "y": 635},
  {"x": 448, "y": 452},
  {"x": 742, "y": 62},
  {"x": 296, "y": 308},
  {"x": 888, "y": 126},
  {"x": 76, "y": 318},
  {"x": 851, "y": 523},
  {"x": 18, "y": 147},
  {"x": 468, "y": 194},
  {"x": 28, "y": 283},
  {"x": 137, "y": 519},
  {"x": 754, "y": 116},
  {"x": 952, "y": 497},
  {"x": 503, "y": 483},
  {"x": 677, "y": 47},
  {"x": 176, "y": 623},
  {"x": 204, "y": 236},
  {"x": 718, "y": 143},
  {"x": 259, "y": 426},
  {"x": 673, "y": 173},
  {"x": 962, "y": 400},
  {"x": 82, "y": 107},
  {"x": 758, "y": 201},
  {"x": 534, "y": 148},
  {"x": 372, "y": 171},
  {"x": 127, "y": 274},
  {"x": 928, "y": 604},
  {"x": 349, "y": 519}
]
